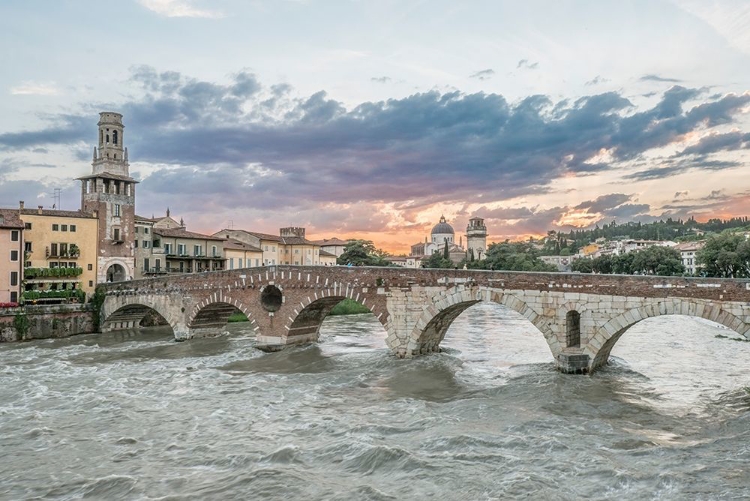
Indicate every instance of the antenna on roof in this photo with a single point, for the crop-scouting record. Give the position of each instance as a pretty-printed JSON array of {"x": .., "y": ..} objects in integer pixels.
[
  {"x": 56, "y": 198},
  {"x": 231, "y": 224}
]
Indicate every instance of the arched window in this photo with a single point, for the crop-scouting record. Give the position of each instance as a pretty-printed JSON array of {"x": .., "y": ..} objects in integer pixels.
[
  {"x": 114, "y": 137},
  {"x": 573, "y": 329},
  {"x": 101, "y": 137},
  {"x": 107, "y": 138}
]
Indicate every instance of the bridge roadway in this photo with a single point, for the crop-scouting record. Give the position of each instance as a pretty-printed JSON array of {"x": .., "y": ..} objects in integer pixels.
[{"x": 580, "y": 315}]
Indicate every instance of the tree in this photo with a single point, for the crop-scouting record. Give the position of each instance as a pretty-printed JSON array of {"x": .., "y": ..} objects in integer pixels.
[
  {"x": 515, "y": 256},
  {"x": 725, "y": 255},
  {"x": 657, "y": 260},
  {"x": 362, "y": 253},
  {"x": 446, "y": 252},
  {"x": 436, "y": 260},
  {"x": 583, "y": 265}
]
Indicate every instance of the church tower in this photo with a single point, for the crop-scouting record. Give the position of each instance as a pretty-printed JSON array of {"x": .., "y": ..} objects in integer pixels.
[
  {"x": 476, "y": 237},
  {"x": 110, "y": 192}
]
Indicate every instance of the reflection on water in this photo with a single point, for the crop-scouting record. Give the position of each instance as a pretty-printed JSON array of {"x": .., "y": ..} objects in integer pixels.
[{"x": 136, "y": 415}]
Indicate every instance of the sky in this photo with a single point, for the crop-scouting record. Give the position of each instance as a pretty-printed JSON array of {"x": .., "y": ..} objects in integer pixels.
[{"x": 372, "y": 118}]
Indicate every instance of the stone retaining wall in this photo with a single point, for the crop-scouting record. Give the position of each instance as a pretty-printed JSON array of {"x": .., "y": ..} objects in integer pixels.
[{"x": 42, "y": 322}]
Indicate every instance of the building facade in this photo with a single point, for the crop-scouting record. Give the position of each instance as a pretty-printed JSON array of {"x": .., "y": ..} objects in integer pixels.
[
  {"x": 11, "y": 256},
  {"x": 289, "y": 247},
  {"x": 60, "y": 250},
  {"x": 333, "y": 245},
  {"x": 476, "y": 238},
  {"x": 689, "y": 255},
  {"x": 241, "y": 255}
]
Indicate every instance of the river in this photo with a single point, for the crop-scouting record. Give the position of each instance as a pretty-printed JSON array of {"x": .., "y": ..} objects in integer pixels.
[{"x": 135, "y": 415}]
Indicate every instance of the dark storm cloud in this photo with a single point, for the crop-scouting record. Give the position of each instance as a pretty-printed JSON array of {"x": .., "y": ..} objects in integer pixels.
[
  {"x": 719, "y": 142},
  {"x": 243, "y": 145},
  {"x": 483, "y": 74},
  {"x": 604, "y": 202},
  {"x": 656, "y": 78}
]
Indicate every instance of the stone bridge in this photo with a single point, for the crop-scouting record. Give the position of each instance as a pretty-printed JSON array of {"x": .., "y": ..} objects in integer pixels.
[{"x": 580, "y": 315}]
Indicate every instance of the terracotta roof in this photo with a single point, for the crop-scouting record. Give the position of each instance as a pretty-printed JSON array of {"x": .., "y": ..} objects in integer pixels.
[
  {"x": 237, "y": 245},
  {"x": 330, "y": 241},
  {"x": 107, "y": 175},
  {"x": 180, "y": 233},
  {"x": 295, "y": 241},
  {"x": 10, "y": 219},
  {"x": 57, "y": 213},
  {"x": 263, "y": 236},
  {"x": 141, "y": 219},
  {"x": 327, "y": 254},
  {"x": 688, "y": 246}
]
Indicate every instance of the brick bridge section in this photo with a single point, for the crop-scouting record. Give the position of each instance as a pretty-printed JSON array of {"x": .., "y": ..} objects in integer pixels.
[{"x": 580, "y": 315}]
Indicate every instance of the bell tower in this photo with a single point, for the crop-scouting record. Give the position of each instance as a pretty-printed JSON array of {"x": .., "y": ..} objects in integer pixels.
[
  {"x": 476, "y": 237},
  {"x": 110, "y": 193}
]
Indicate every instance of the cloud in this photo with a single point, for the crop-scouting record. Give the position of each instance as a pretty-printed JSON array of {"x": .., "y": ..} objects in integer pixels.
[
  {"x": 381, "y": 80},
  {"x": 35, "y": 89},
  {"x": 597, "y": 80},
  {"x": 178, "y": 8},
  {"x": 715, "y": 142},
  {"x": 526, "y": 64},
  {"x": 483, "y": 74},
  {"x": 656, "y": 78},
  {"x": 239, "y": 146},
  {"x": 680, "y": 194}
]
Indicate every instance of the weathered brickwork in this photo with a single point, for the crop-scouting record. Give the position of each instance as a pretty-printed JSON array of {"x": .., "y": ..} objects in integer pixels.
[{"x": 287, "y": 304}]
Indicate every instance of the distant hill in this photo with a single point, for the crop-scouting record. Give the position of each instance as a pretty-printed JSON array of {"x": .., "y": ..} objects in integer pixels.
[{"x": 670, "y": 229}]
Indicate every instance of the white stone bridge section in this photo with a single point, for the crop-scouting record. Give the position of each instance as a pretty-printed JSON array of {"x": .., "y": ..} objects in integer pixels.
[{"x": 580, "y": 316}]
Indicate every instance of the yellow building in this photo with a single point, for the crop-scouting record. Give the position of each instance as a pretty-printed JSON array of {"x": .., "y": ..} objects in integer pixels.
[
  {"x": 327, "y": 259},
  {"x": 289, "y": 247},
  {"x": 58, "y": 239},
  {"x": 242, "y": 255}
]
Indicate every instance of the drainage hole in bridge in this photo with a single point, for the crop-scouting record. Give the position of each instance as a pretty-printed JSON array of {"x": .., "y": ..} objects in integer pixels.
[{"x": 271, "y": 298}]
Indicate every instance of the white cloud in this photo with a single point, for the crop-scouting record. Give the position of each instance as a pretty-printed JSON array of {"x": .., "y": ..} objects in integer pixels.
[
  {"x": 728, "y": 17},
  {"x": 178, "y": 8},
  {"x": 35, "y": 89}
]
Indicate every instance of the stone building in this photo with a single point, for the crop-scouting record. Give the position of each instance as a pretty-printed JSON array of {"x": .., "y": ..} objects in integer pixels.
[
  {"x": 11, "y": 255},
  {"x": 109, "y": 192},
  {"x": 333, "y": 245},
  {"x": 476, "y": 238},
  {"x": 442, "y": 234},
  {"x": 689, "y": 255},
  {"x": 241, "y": 255}
]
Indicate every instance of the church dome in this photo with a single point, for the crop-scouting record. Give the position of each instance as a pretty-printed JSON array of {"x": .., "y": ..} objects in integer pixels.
[{"x": 442, "y": 228}]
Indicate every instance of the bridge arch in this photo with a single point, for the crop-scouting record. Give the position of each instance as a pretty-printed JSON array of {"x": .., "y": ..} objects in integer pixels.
[
  {"x": 212, "y": 313},
  {"x": 310, "y": 313},
  {"x": 435, "y": 320},
  {"x": 127, "y": 312},
  {"x": 607, "y": 336}
]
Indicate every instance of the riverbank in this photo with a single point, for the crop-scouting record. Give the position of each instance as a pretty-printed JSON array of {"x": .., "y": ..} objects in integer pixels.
[{"x": 42, "y": 322}]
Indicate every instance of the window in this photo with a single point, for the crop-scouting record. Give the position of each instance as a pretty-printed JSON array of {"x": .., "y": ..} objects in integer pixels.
[
  {"x": 114, "y": 137},
  {"x": 14, "y": 297},
  {"x": 182, "y": 249},
  {"x": 53, "y": 250},
  {"x": 14, "y": 236},
  {"x": 27, "y": 247},
  {"x": 71, "y": 265},
  {"x": 91, "y": 283},
  {"x": 53, "y": 264},
  {"x": 63, "y": 249},
  {"x": 273, "y": 248},
  {"x": 196, "y": 250},
  {"x": 27, "y": 226},
  {"x": 72, "y": 227},
  {"x": 145, "y": 244},
  {"x": 231, "y": 263},
  {"x": 135, "y": 244},
  {"x": 27, "y": 264},
  {"x": 14, "y": 255},
  {"x": 117, "y": 210},
  {"x": 145, "y": 265},
  {"x": 64, "y": 227},
  {"x": 55, "y": 227},
  {"x": 213, "y": 251},
  {"x": 265, "y": 248},
  {"x": 90, "y": 267},
  {"x": 136, "y": 229},
  {"x": 156, "y": 243},
  {"x": 117, "y": 234},
  {"x": 158, "y": 264},
  {"x": 296, "y": 251},
  {"x": 145, "y": 230},
  {"x": 167, "y": 248},
  {"x": 13, "y": 278}
]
